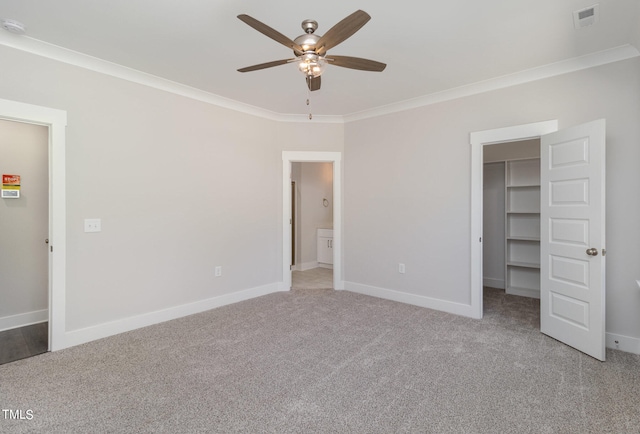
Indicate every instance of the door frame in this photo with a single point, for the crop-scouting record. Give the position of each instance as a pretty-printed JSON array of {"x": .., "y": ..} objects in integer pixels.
[
  {"x": 478, "y": 140},
  {"x": 289, "y": 157},
  {"x": 56, "y": 121}
]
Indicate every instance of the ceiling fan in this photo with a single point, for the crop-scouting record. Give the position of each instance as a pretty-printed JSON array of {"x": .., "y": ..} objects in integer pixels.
[{"x": 311, "y": 49}]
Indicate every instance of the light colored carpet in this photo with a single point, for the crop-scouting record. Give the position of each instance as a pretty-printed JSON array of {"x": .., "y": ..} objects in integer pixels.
[{"x": 328, "y": 361}]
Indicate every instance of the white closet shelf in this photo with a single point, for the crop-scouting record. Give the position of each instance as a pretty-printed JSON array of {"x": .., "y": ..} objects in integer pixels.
[
  {"x": 522, "y": 228},
  {"x": 519, "y": 238},
  {"x": 523, "y": 264}
]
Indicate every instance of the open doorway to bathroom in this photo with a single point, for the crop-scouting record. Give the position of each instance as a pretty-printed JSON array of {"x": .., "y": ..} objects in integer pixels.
[{"x": 312, "y": 225}]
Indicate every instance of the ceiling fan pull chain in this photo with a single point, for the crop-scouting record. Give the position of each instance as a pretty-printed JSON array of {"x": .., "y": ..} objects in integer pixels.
[{"x": 309, "y": 103}]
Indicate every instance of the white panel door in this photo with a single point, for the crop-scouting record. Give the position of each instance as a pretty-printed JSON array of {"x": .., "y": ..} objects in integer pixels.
[{"x": 572, "y": 229}]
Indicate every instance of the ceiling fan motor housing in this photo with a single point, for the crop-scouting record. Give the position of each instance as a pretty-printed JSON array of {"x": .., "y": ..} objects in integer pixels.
[{"x": 307, "y": 42}]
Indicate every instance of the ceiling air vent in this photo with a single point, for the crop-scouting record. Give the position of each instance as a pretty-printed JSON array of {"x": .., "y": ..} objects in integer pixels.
[{"x": 586, "y": 17}]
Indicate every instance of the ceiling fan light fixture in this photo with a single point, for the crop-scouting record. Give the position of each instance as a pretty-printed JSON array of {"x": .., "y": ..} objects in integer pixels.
[{"x": 311, "y": 65}]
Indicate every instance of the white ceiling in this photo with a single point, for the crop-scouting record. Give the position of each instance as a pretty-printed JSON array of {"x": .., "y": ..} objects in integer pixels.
[{"x": 429, "y": 46}]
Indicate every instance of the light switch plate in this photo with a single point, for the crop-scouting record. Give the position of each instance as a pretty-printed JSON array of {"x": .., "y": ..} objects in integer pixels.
[{"x": 92, "y": 225}]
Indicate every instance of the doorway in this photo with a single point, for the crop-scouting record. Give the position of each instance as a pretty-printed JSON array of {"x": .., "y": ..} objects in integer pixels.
[
  {"x": 24, "y": 238},
  {"x": 572, "y": 228},
  {"x": 55, "y": 121},
  {"x": 511, "y": 233},
  {"x": 478, "y": 141},
  {"x": 312, "y": 225},
  {"x": 288, "y": 159}
]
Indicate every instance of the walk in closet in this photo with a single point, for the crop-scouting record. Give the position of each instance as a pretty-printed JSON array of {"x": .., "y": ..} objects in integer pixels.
[{"x": 512, "y": 218}]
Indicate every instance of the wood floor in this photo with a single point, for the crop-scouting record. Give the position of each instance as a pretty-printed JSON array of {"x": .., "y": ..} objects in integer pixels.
[{"x": 23, "y": 342}]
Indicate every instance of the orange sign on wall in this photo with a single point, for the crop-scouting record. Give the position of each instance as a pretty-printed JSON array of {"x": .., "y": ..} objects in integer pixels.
[{"x": 10, "y": 186}]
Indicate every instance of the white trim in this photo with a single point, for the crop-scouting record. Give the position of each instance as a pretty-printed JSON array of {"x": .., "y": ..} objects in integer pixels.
[
  {"x": 523, "y": 292},
  {"x": 413, "y": 299},
  {"x": 625, "y": 343},
  {"x": 493, "y": 283},
  {"x": 54, "y": 52},
  {"x": 23, "y": 319},
  {"x": 306, "y": 266},
  {"x": 56, "y": 120},
  {"x": 81, "y": 336},
  {"x": 478, "y": 140},
  {"x": 574, "y": 64},
  {"x": 289, "y": 157}
]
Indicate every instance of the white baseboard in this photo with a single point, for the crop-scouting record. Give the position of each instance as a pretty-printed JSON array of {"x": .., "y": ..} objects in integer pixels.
[
  {"x": 493, "y": 283},
  {"x": 308, "y": 265},
  {"x": 416, "y": 300},
  {"x": 77, "y": 337},
  {"x": 622, "y": 343},
  {"x": 618, "y": 342},
  {"x": 523, "y": 292},
  {"x": 81, "y": 336},
  {"x": 23, "y": 319},
  {"x": 328, "y": 266},
  {"x": 282, "y": 287}
]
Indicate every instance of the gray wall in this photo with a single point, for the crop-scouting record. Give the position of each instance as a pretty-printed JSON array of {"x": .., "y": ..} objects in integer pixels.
[
  {"x": 407, "y": 184},
  {"x": 24, "y": 225},
  {"x": 181, "y": 186}
]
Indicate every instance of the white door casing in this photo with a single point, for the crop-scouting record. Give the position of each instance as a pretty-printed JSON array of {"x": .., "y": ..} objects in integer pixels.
[
  {"x": 56, "y": 120},
  {"x": 289, "y": 157},
  {"x": 572, "y": 214},
  {"x": 478, "y": 140}
]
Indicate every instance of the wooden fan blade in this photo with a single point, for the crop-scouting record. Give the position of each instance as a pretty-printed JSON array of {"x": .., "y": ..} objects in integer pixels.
[
  {"x": 342, "y": 31},
  {"x": 356, "y": 63},
  {"x": 271, "y": 33},
  {"x": 313, "y": 83},
  {"x": 265, "y": 65}
]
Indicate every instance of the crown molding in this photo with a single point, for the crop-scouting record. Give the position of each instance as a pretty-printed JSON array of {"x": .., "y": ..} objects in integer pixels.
[
  {"x": 599, "y": 58},
  {"x": 323, "y": 119},
  {"x": 54, "y": 52}
]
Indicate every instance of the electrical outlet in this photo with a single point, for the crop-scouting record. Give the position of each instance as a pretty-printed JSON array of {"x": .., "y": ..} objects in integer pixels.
[
  {"x": 401, "y": 268},
  {"x": 92, "y": 225},
  {"x": 218, "y": 271}
]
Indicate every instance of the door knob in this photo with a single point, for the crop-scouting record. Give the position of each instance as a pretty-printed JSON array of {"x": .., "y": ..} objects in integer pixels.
[{"x": 592, "y": 252}]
